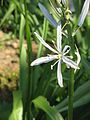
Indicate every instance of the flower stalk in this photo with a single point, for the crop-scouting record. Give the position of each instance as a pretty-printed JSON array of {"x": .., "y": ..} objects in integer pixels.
[
  {"x": 71, "y": 94},
  {"x": 27, "y": 106},
  {"x": 71, "y": 81}
]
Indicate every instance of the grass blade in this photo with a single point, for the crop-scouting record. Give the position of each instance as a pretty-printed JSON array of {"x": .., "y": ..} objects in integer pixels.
[{"x": 8, "y": 13}]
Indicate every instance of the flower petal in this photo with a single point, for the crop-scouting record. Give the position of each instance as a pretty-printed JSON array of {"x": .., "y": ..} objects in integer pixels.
[
  {"x": 69, "y": 62},
  {"x": 84, "y": 12},
  {"x": 43, "y": 60},
  {"x": 59, "y": 74},
  {"x": 78, "y": 56},
  {"x": 66, "y": 49},
  {"x": 59, "y": 37},
  {"x": 44, "y": 43},
  {"x": 64, "y": 2},
  {"x": 72, "y": 8},
  {"x": 47, "y": 15}
]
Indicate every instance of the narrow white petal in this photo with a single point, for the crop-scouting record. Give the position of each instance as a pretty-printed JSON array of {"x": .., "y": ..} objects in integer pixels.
[
  {"x": 59, "y": 74},
  {"x": 43, "y": 60},
  {"x": 64, "y": 2},
  {"x": 44, "y": 43},
  {"x": 66, "y": 49},
  {"x": 72, "y": 8},
  {"x": 47, "y": 15},
  {"x": 59, "y": 9},
  {"x": 59, "y": 37},
  {"x": 84, "y": 12},
  {"x": 70, "y": 3},
  {"x": 69, "y": 62},
  {"x": 78, "y": 56},
  {"x": 70, "y": 57}
]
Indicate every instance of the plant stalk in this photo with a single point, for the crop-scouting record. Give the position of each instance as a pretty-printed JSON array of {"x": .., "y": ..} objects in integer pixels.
[
  {"x": 70, "y": 93},
  {"x": 29, "y": 57},
  {"x": 71, "y": 81}
]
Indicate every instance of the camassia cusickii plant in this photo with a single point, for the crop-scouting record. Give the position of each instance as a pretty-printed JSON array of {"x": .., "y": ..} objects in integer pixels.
[{"x": 54, "y": 40}]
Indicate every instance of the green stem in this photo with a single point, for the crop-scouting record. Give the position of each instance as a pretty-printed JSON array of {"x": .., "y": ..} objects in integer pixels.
[
  {"x": 2, "y": 3},
  {"x": 29, "y": 57},
  {"x": 71, "y": 81},
  {"x": 71, "y": 93},
  {"x": 16, "y": 21},
  {"x": 44, "y": 35}
]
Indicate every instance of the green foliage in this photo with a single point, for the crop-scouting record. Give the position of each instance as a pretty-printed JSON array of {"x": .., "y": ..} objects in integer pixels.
[
  {"x": 43, "y": 104},
  {"x": 81, "y": 97},
  {"x": 8, "y": 13},
  {"x": 17, "y": 107}
]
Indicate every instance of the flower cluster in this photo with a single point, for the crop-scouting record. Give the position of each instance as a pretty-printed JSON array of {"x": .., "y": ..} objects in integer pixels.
[
  {"x": 84, "y": 12},
  {"x": 60, "y": 55}
]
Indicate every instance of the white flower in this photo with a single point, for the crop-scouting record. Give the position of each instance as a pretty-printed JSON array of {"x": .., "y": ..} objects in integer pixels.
[
  {"x": 59, "y": 55},
  {"x": 84, "y": 12}
]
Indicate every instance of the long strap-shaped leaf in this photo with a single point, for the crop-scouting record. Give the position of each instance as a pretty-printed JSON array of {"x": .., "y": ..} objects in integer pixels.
[
  {"x": 43, "y": 104},
  {"x": 17, "y": 107},
  {"x": 81, "y": 97},
  {"x": 8, "y": 13}
]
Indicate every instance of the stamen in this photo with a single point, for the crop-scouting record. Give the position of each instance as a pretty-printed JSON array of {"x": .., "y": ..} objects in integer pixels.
[
  {"x": 64, "y": 26},
  {"x": 74, "y": 33},
  {"x": 49, "y": 55},
  {"x": 71, "y": 57},
  {"x": 55, "y": 45},
  {"x": 65, "y": 34},
  {"x": 54, "y": 64}
]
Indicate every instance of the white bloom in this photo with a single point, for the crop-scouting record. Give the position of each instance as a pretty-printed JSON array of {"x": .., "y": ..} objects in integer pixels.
[
  {"x": 84, "y": 12},
  {"x": 59, "y": 55}
]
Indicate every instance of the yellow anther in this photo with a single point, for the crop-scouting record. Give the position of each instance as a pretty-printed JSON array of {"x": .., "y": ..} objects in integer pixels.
[
  {"x": 68, "y": 14},
  {"x": 68, "y": 11}
]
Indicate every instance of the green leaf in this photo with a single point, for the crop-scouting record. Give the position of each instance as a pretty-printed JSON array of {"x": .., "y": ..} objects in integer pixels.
[
  {"x": 5, "y": 110},
  {"x": 88, "y": 20},
  {"x": 17, "y": 107},
  {"x": 44, "y": 36},
  {"x": 21, "y": 34},
  {"x": 41, "y": 103},
  {"x": 79, "y": 97},
  {"x": 8, "y": 13},
  {"x": 82, "y": 101},
  {"x": 82, "y": 90},
  {"x": 19, "y": 5},
  {"x": 23, "y": 72}
]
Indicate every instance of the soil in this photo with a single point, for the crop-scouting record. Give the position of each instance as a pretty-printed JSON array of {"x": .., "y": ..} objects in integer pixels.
[{"x": 9, "y": 64}]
